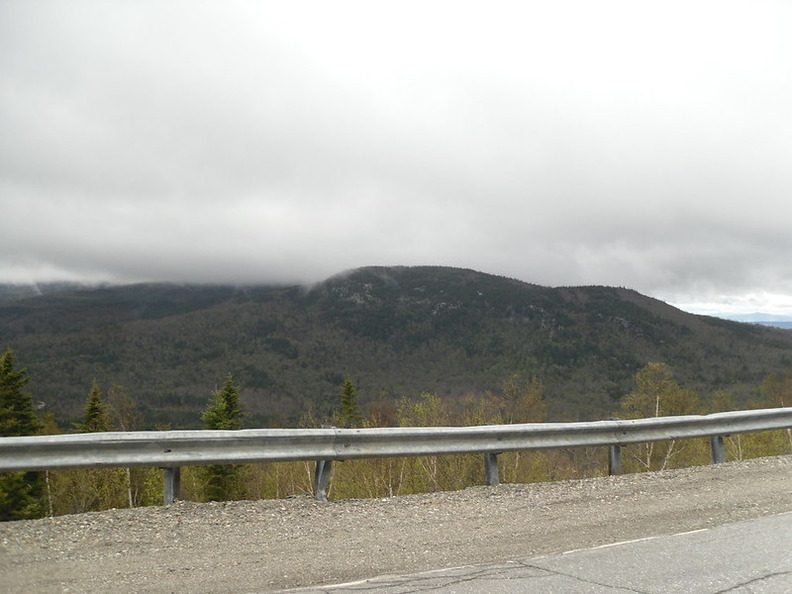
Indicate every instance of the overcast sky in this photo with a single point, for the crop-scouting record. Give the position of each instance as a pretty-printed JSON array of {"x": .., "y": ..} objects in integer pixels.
[{"x": 630, "y": 143}]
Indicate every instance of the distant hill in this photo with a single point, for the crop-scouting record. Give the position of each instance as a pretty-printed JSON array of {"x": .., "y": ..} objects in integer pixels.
[
  {"x": 775, "y": 323},
  {"x": 764, "y": 319},
  {"x": 396, "y": 331}
]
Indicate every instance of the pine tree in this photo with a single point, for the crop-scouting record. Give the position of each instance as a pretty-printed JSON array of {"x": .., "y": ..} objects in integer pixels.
[
  {"x": 96, "y": 417},
  {"x": 224, "y": 411},
  {"x": 90, "y": 489},
  {"x": 17, "y": 416},
  {"x": 21, "y": 493},
  {"x": 222, "y": 481},
  {"x": 349, "y": 415}
]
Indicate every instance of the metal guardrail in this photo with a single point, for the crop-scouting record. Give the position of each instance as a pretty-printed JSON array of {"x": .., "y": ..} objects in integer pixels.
[{"x": 172, "y": 449}]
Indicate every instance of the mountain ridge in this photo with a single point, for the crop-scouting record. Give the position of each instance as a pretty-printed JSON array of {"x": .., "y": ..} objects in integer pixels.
[{"x": 396, "y": 331}]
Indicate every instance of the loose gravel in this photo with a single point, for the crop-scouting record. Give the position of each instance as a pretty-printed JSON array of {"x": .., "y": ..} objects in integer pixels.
[{"x": 260, "y": 546}]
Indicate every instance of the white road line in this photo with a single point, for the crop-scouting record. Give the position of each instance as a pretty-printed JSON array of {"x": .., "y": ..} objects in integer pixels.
[
  {"x": 625, "y": 542},
  {"x": 611, "y": 544}
]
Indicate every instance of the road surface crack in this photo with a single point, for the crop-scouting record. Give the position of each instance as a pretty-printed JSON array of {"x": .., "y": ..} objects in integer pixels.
[
  {"x": 585, "y": 581},
  {"x": 753, "y": 581},
  {"x": 413, "y": 585}
]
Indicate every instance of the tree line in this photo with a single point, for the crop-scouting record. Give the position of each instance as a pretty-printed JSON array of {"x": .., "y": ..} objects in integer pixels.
[{"x": 520, "y": 399}]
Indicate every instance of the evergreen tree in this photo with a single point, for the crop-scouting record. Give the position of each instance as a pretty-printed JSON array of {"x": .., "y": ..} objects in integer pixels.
[
  {"x": 21, "y": 493},
  {"x": 96, "y": 416},
  {"x": 90, "y": 489},
  {"x": 224, "y": 411},
  {"x": 349, "y": 415},
  {"x": 17, "y": 416},
  {"x": 222, "y": 481}
]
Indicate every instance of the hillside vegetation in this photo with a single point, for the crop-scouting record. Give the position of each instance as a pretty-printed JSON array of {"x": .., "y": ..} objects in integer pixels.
[{"x": 396, "y": 332}]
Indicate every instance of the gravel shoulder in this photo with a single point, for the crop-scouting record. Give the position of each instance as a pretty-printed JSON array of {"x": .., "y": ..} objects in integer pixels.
[{"x": 259, "y": 546}]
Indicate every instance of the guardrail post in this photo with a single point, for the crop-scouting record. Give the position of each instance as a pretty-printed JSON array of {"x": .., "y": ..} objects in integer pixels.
[
  {"x": 614, "y": 460},
  {"x": 718, "y": 451},
  {"x": 322, "y": 479},
  {"x": 491, "y": 469},
  {"x": 171, "y": 484}
]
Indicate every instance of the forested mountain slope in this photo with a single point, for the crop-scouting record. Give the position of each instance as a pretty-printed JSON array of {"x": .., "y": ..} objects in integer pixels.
[{"x": 396, "y": 331}]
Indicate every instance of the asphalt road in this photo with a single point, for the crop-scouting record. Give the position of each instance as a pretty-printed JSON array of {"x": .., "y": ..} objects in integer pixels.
[{"x": 753, "y": 556}]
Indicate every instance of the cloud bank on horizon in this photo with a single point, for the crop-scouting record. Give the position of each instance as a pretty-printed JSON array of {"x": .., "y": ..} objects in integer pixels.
[{"x": 636, "y": 144}]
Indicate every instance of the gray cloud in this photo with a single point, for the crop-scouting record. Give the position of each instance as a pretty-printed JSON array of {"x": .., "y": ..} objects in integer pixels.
[{"x": 627, "y": 144}]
